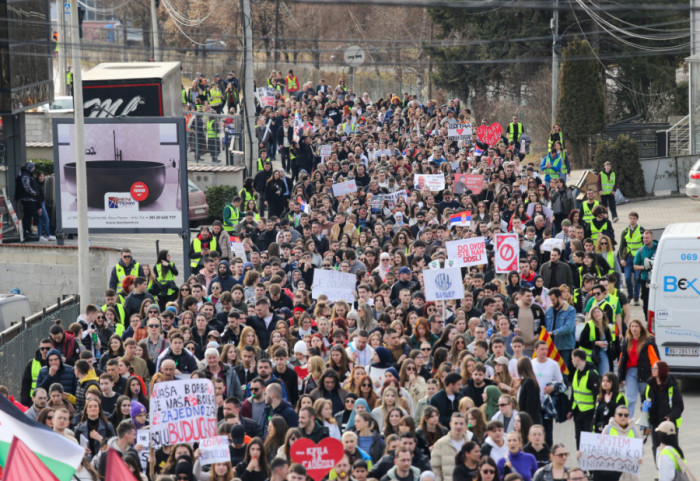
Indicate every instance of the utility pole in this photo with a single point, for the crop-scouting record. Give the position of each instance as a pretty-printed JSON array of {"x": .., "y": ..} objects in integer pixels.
[
  {"x": 80, "y": 168},
  {"x": 154, "y": 28},
  {"x": 251, "y": 142},
  {"x": 277, "y": 35},
  {"x": 62, "y": 45},
  {"x": 555, "y": 59}
]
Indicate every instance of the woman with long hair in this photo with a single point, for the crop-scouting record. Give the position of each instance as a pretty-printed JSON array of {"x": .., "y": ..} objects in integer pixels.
[
  {"x": 609, "y": 398},
  {"x": 639, "y": 353},
  {"x": 595, "y": 339},
  {"x": 666, "y": 400},
  {"x": 430, "y": 429},
  {"x": 276, "y": 429},
  {"x": 254, "y": 466},
  {"x": 324, "y": 413}
]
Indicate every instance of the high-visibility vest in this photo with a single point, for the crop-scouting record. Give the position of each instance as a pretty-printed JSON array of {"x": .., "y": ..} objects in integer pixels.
[
  {"x": 234, "y": 217},
  {"x": 36, "y": 367},
  {"x": 513, "y": 129},
  {"x": 121, "y": 313},
  {"x": 671, "y": 452},
  {"x": 215, "y": 97},
  {"x": 595, "y": 231},
  {"x": 634, "y": 242},
  {"x": 211, "y": 132},
  {"x": 607, "y": 182},
  {"x": 163, "y": 278},
  {"x": 121, "y": 273},
  {"x": 197, "y": 247},
  {"x": 292, "y": 84},
  {"x": 584, "y": 398},
  {"x": 588, "y": 211},
  {"x": 679, "y": 421}
]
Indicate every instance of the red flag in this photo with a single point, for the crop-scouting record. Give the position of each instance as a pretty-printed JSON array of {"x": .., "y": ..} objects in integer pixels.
[
  {"x": 117, "y": 470},
  {"x": 22, "y": 464}
]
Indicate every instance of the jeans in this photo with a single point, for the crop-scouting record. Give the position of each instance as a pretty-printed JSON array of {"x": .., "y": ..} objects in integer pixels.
[
  {"x": 632, "y": 279},
  {"x": 633, "y": 388},
  {"x": 43, "y": 224}
]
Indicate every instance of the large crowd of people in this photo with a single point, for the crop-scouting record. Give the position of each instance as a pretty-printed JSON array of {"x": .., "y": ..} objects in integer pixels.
[{"x": 458, "y": 390}]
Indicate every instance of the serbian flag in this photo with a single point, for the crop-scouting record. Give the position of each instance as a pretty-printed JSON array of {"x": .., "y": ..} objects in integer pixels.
[
  {"x": 463, "y": 218},
  {"x": 304, "y": 206},
  {"x": 117, "y": 468},
  {"x": 552, "y": 351},
  {"x": 57, "y": 453}
]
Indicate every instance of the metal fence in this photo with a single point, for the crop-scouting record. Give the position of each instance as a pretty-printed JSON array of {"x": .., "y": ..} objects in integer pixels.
[
  {"x": 212, "y": 137},
  {"x": 19, "y": 343}
]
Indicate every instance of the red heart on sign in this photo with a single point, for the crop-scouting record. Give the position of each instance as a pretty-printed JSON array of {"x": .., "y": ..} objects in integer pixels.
[
  {"x": 318, "y": 459},
  {"x": 489, "y": 134}
]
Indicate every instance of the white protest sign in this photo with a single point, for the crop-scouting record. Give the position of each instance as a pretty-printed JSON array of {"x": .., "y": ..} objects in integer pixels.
[
  {"x": 435, "y": 182},
  {"x": 182, "y": 411},
  {"x": 238, "y": 250},
  {"x": 467, "y": 252},
  {"x": 600, "y": 452},
  {"x": 551, "y": 243},
  {"x": 143, "y": 438},
  {"x": 334, "y": 284},
  {"x": 214, "y": 450},
  {"x": 507, "y": 253},
  {"x": 344, "y": 188},
  {"x": 460, "y": 132},
  {"x": 443, "y": 284}
]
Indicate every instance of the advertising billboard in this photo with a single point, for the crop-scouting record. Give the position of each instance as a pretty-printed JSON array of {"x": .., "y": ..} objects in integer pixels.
[{"x": 136, "y": 175}]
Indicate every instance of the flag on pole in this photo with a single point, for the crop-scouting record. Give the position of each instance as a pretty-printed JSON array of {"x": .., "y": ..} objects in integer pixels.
[
  {"x": 463, "y": 218},
  {"x": 552, "y": 351},
  {"x": 22, "y": 464},
  {"x": 117, "y": 468},
  {"x": 58, "y": 453}
]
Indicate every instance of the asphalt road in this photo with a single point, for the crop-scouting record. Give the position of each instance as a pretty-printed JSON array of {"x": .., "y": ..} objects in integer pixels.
[{"x": 654, "y": 214}]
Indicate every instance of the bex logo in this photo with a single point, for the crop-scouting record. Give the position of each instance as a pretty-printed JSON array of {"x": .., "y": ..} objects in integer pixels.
[{"x": 673, "y": 284}]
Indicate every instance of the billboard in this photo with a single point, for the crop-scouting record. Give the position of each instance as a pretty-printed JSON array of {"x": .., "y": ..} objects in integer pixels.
[{"x": 136, "y": 175}]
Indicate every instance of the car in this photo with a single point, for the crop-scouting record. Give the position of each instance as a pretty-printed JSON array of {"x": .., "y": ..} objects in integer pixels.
[
  {"x": 692, "y": 188},
  {"x": 199, "y": 209},
  {"x": 59, "y": 105}
]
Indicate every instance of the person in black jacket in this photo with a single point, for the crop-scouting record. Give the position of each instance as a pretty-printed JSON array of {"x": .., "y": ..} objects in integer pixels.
[{"x": 446, "y": 401}]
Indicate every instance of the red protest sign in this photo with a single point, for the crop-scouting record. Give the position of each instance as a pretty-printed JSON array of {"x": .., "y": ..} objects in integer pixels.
[
  {"x": 318, "y": 459},
  {"x": 489, "y": 133}
]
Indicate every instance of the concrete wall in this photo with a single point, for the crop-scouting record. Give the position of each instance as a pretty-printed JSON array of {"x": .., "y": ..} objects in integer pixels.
[{"x": 45, "y": 272}]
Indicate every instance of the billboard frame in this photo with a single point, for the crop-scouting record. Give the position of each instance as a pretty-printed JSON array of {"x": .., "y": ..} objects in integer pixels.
[{"x": 182, "y": 230}]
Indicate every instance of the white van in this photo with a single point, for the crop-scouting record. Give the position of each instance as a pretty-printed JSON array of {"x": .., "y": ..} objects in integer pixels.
[{"x": 674, "y": 298}]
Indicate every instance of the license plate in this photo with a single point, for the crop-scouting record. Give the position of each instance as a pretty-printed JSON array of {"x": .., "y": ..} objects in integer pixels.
[
  {"x": 683, "y": 351},
  {"x": 199, "y": 211}
]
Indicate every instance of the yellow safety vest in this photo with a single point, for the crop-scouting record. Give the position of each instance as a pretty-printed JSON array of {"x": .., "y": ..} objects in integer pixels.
[
  {"x": 215, "y": 97},
  {"x": 584, "y": 398},
  {"x": 163, "y": 278},
  {"x": 588, "y": 211},
  {"x": 607, "y": 183},
  {"x": 595, "y": 231},
  {"x": 197, "y": 247},
  {"x": 36, "y": 367},
  {"x": 679, "y": 421},
  {"x": 121, "y": 273},
  {"x": 512, "y": 129},
  {"x": 634, "y": 242}
]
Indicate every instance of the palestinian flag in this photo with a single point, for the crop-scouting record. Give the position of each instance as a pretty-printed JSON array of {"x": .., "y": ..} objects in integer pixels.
[
  {"x": 61, "y": 455},
  {"x": 552, "y": 351}
]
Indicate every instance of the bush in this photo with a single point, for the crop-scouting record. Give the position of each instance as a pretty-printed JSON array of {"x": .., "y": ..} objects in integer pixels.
[
  {"x": 623, "y": 154},
  {"x": 217, "y": 198},
  {"x": 46, "y": 166}
]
